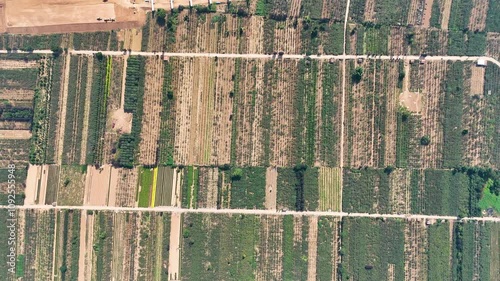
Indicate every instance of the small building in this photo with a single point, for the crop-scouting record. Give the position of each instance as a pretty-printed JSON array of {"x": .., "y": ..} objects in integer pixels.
[{"x": 481, "y": 62}]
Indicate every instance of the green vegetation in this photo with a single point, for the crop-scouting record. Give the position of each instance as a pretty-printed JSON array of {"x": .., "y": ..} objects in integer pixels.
[
  {"x": 74, "y": 114},
  {"x": 357, "y": 74},
  {"x": 435, "y": 15},
  {"x": 29, "y": 42},
  {"x": 453, "y": 110},
  {"x": 294, "y": 254},
  {"x": 388, "y": 12},
  {"x": 446, "y": 193},
  {"x": 103, "y": 244},
  {"x": 460, "y": 14},
  {"x": 476, "y": 43},
  {"x": 24, "y": 78},
  {"x": 166, "y": 143},
  {"x": 493, "y": 16},
  {"x": 439, "y": 252},
  {"x": 376, "y": 40},
  {"x": 146, "y": 184},
  {"x": 329, "y": 111},
  {"x": 327, "y": 228},
  {"x": 334, "y": 42},
  {"x": 305, "y": 112},
  {"x": 221, "y": 251},
  {"x": 357, "y": 10},
  {"x": 298, "y": 188},
  {"x": 98, "y": 104},
  {"x": 248, "y": 189},
  {"x": 97, "y": 41},
  {"x": 362, "y": 188},
  {"x": 190, "y": 188},
  {"x": 489, "y": 199},
  {"x": 134, "y": 91},
  {"x": 405, "y": 131},
  {"x": 369, "y": 246}
]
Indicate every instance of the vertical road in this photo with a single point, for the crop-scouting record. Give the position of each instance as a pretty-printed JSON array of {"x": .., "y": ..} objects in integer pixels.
[{"x": 342, "y": 118}]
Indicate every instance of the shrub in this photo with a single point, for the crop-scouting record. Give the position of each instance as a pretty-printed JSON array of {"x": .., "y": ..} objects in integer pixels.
[
  {"x": 357, "y": 74},
  {"x": 425, "y": 140},
  {"x": 236, "y": 174}
]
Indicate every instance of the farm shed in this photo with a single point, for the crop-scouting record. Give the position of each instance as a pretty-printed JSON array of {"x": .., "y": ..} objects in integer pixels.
[{"x": 481, "y": 62}]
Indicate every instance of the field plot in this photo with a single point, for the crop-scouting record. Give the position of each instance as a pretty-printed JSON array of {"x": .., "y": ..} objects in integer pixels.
[
  {"x": 71, "y": 185},
  {"x": 298, "y": 188},
  {"x": 234, "y": 254},
  {"x": 372, "y": 249},
  {"x": 125, "y": 246},
  {"x": 328, "y": 243},
  {"x": 146, "y": 188},
  {"x": 165, "y": 186},
  {"x": 415, "y": 247},
  {"x": 126, "y": 188},
  {"x": 371, "y": 115},
  {"x": 108, "y": 186},
  {"x": 75, "y": 101},
  {"x": 208, "y": 190},
  {"x": 246, "y": 188},
  {"x": 39, "y": 236},
  {"x": 329, "y": 189},
  {"x": 151, "y": 120},
  {"x": 375, "y": 194},
  {"x": 202, "y": 89},
  {"x": 439, "y": 255},
  {"x": 67, "y": 245}
]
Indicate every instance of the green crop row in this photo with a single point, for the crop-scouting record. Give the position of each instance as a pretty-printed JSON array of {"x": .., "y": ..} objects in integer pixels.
[
  {"x": 166, "y": 144},
  {"x": 134, "y": 92}
]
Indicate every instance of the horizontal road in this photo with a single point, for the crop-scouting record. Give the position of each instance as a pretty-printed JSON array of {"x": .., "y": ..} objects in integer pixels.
[
  {"x": 264, "y": 56},
  {"x": 249, "y": 212}
]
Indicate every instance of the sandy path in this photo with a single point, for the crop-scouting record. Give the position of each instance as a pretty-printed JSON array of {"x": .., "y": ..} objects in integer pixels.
[
  {"x": 86, "y": 112},
  {"x": 97, "y": 185},
  {"x": 17, "y": 64},
  {"x": 175, "y": 249},
  {"x": 86, "y": 241},
  {"x": 271, "y": 187},
  {"x": 43, "y": 185},
  {"x": 312, "y": 250},
  {"x": 62, "y": 112},
  {"x": 445, "y": 14}
]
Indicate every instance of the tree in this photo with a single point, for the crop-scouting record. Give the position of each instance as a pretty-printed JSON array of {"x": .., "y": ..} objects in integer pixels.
[
  {"x": 56, "y": 51},
  {"x": 236, "y": 174},
  {"x": 99, "y": 56},
  {"x": 357, "y": 74},
  {"x": 425, "y": 140},
  {"x": 388, "y": 170},
  {"x": 160, "y": 16}
]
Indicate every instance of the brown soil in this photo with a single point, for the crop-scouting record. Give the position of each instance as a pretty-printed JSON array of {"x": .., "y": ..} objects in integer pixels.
[
  {"x": 294, "y": 10},
  {"x": 175, "y": 250},
  {"x": 415, "y": 13},
  {"x": 426, "y": 21},
  {"x": 412, "y": 101},
  {"x": 56, "y": 16},
  {"x": 207, "y": 192},
  {"x": 392, "y": 107},
  {"x": 151, "y": 119},
  {"x": 445, "y": 14},
  {"x": 127, "y": 183},
  {"x": 62, "y": 110},
  {"x": 256, "y": 33},
  {"x": 132, "y": 38},
  {"x": 312, "y": 249},
  {"x": 493, "y": 44},
  {"x": 17, "y": 64},
  {"x": 476, "y": 150},
  {"x": 97, "y": 185},
  {"x": 415, "y": 250},
  {"x": 287, "y": 38},
  {"x": 477, "y": 20},
  {"x": 86, "y": 243},
  {"x": 281, "y": 133},
  {"x": 271, "y": 188},
  {"x": 32, "y": 179},
  {"x": 15, "y": 134},
  {"x": 397, "y": 41},
  {"x": 370, "y": 10}
]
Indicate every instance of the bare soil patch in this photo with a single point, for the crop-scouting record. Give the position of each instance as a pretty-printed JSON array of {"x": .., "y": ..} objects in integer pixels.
[
  {"x": 426, "y": 21},
  {"x": 132, "y": 38},
  {"x": 312, "y": 248},
  {"x": 416, "y": 12},
  {"x": 127, "y": 187},
  {"x": 415, "y": 250},
  {"x": 32, "y": 178},
  {"x": 209, "y": 178},
  {"x": 445, "y": 14},
  {"x": 271, "y": 187},
  {"x": 175, "y": 250},
  {"x": 370, "y": 10},
  {"x": 56, "y": 16},
  {"x": 97, "y": 185},
  {"x": 15, "y": 134},
  {"x": 477, "y": 20},
  {"x": 17, "y": 64},
  {"x": 121, "y": 121},
  {"x": 411, "y": 100}
]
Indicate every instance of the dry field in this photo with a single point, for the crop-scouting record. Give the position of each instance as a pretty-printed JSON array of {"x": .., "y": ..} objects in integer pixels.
[
  {"x": 271, "y": 188},
  {"x": 203, "y": 110},
  {"x": 477, "y": 20},
  {"x": 399, "y": 184},
  {"x": 55, "y": 16},
  {"x": 270, "y": 265},
  {"x": 415, "y": 250},
  {"x": 416, "y": 11},
  {"x": 426, "y": 20},
  {"x": 150, "y": 132},
  {"x": 445, "y": 13},
  {"x": 329, "y": 189},
  {"x": 493, "y": 45},
  {"x": 371, "y": 116},
  {"x": 207, "y": 191}
]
